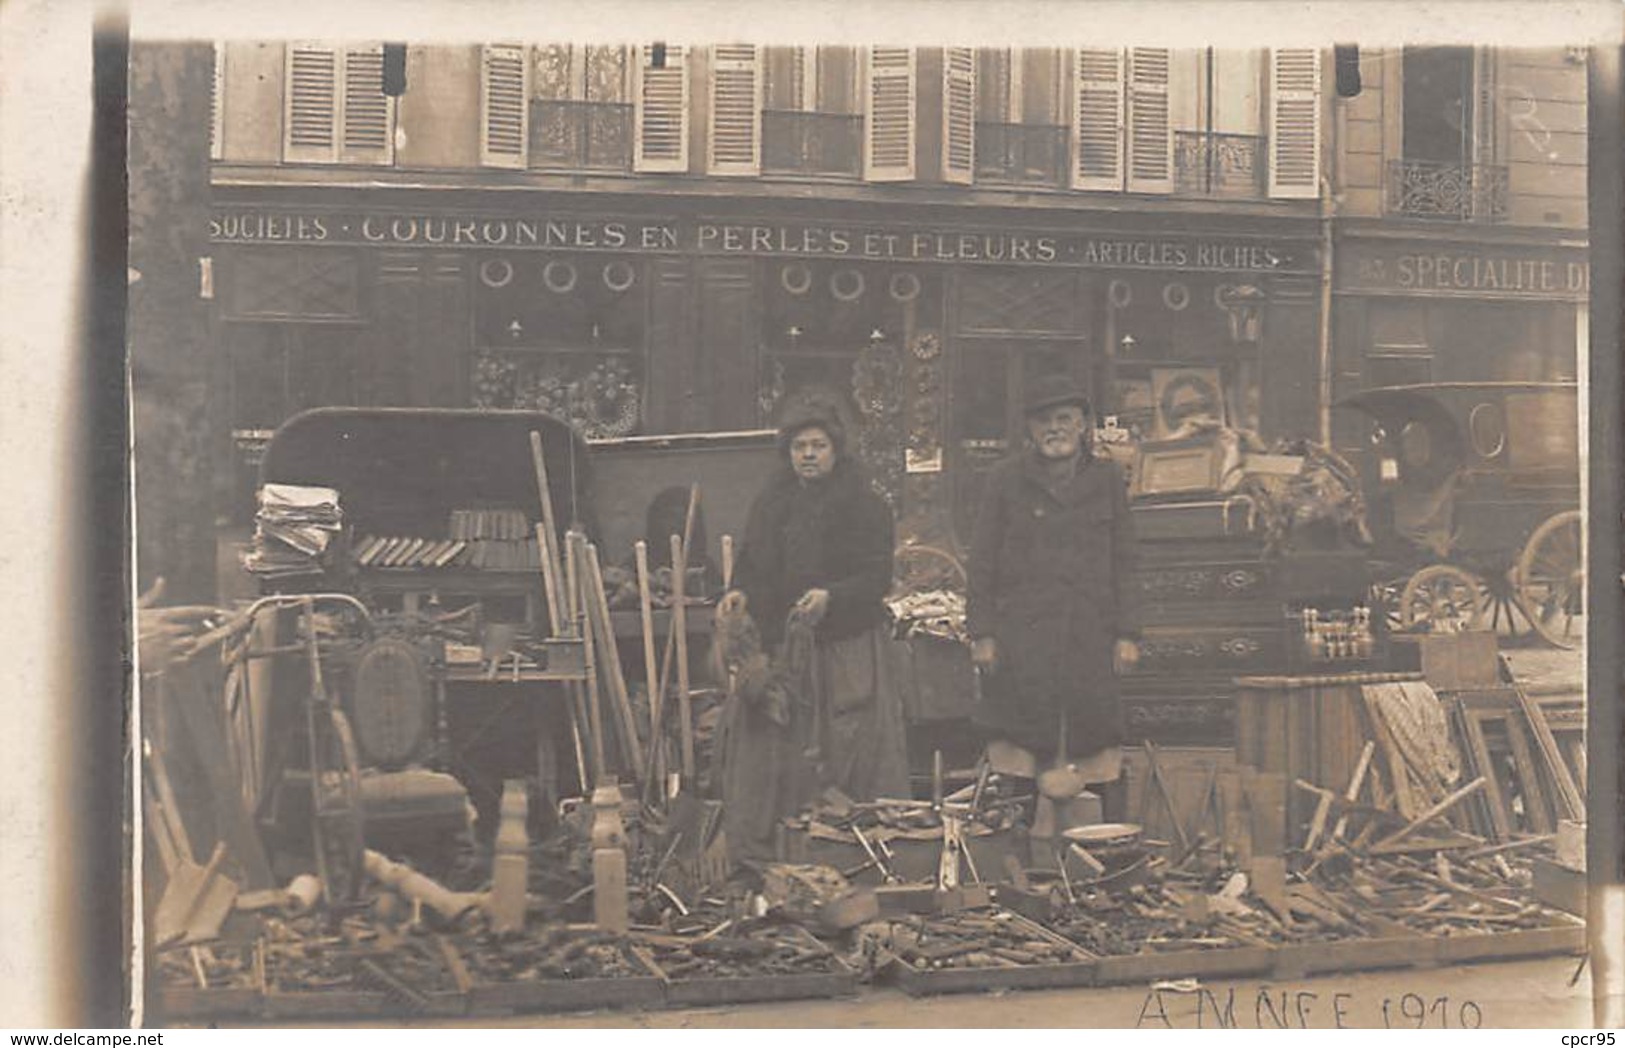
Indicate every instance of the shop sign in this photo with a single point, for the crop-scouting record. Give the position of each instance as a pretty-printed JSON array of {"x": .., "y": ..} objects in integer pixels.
[
  {"x": 1461, "y": 271},
  {"x": 794, "y": 239}
]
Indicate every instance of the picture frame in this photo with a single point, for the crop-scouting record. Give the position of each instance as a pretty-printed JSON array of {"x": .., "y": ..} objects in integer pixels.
[
  {"x": 1172, "y": 468},
  {"x": 1180, "y": 394}
]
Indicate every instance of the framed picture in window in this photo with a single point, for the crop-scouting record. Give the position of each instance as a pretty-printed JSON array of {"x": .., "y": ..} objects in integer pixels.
[
  {"x": 1183, "y": 396},
  {"x": 1175, "y": 468}
]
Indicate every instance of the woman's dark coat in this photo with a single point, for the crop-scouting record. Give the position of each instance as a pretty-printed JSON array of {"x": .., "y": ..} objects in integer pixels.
[
  {"x": 834, "y": 534},
  {"x": 1051, "y": 579}
]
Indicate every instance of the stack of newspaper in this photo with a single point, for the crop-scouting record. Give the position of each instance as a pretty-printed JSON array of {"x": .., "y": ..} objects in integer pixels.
[{"x": 295, "y": 525}]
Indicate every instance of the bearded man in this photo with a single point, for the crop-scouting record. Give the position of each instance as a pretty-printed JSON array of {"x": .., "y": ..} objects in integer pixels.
[{"x": 1052, "y": 608}]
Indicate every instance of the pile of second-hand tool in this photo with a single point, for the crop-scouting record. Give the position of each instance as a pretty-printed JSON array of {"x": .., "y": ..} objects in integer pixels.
[
  {"x": 738, "y": 949},
  {"x": 311, "y": 954},
  {"x": 985, "y": 938},
  {"x": 552, "y": 951},
  {"x": 1449, "y": 895}
]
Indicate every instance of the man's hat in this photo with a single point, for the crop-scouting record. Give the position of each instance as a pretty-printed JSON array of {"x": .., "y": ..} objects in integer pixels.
[{"x": 1054, "y": 391}]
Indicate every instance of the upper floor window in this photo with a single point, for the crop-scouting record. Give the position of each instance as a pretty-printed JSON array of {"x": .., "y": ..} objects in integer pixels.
[
  {"x": 584, "y": 107},
  {"x": 1217, "y": 111},
  {"x": 1020, "y": 129},
  {"x": 812, "y": 119},
  {"x": 581, "y": 108},
  {"x": 335, "y": 109},
  {"x": 1447, "y": 167}
]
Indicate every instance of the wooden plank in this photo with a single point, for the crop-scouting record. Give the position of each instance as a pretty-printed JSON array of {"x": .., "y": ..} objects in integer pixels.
[
  {"x": 1500, "y": 819},
  {"x": 1571, "y": 801},
  {"x": 1534, "y": 796}
]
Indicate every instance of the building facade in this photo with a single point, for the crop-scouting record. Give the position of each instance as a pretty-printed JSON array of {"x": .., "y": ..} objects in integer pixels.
[{"x": 663, "y": 238}]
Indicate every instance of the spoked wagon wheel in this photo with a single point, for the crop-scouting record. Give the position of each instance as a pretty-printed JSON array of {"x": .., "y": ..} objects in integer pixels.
[
  {"x": 1551, "y": 579},
  {"x": 336, "y": 816},
  {"x": 1442, "y": 598}
]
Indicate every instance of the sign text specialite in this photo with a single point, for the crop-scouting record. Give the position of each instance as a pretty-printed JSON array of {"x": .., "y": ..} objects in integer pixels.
[
  {"x": 777, "y": 239},
  {"x": 1455, "y": 270}
]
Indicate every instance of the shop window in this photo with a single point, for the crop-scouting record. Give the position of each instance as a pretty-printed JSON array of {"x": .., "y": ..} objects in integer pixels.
[
  {"x": 1020, "y": 136},
  {"x": 581, "y": 112},
  {"x": 811, "y": 123},
  {"x": 1447, "y": 168},
  {"x": 281, "y": 369},
  {"x": 1398, "y": 369},
  {"x": 335, "y": 109},
  {"x": 563, "y": 335},
  {"x": 841, "y": 330}
]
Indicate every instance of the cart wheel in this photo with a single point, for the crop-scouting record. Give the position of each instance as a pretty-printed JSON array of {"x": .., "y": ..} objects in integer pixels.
[
  {"x": 337, "y": 819},
  {"x": 1442, "y": 598},
  {"x": 1551, "y": 580}
]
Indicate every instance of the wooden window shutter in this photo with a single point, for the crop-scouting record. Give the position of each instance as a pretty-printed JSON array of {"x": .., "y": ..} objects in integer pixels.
[
  {"x": 310, "y": 108},
  {"x": 736, "y": 110},
  {"x": 889, "y": 130},
  {"x": 1294, "y": 144},
  {"x": 504, "y": 106},
  {"x": 1485, "y": 140},
  {"x": 368, "y": 115},
  {"x": 217, "y": 105},
  {"x": 1150, "y": 132},
  {"x": 1097, "y": 118},
  {"x": 958, "y": 114},
  {"x": 660, "y": 101}
]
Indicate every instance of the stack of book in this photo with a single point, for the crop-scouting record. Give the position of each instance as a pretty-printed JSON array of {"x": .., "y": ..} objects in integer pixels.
[
  {"x": 483, "y": 539},
  {"x": 293, "y": 529}
]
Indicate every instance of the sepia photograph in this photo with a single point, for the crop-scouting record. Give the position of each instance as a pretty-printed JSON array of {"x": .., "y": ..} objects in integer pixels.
[{"x": 648, "y": 528}]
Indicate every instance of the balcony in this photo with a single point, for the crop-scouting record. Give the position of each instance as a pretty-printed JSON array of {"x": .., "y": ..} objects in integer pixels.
[
  {"x": 1451, "y": 192},
  {"x": 1219, "y": 166},
  {"x": 580, "y": 136},
  {"x": 804, "y": 143},
  {"x": 1021, "y": 154}
]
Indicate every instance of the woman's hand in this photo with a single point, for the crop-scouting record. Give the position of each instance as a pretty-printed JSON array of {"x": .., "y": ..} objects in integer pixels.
[
  {"x": 813, "y": 606},
  {"x": 1125, "y": 657},
  {"x": 984, "y": 655}
]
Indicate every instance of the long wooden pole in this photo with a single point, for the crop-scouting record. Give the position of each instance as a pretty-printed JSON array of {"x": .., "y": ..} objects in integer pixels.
[
  {"x": 547, "y": 532},
  {"x": 688, "y": 540},
  {"x": 1432, "y": 813},
  {"x": 595, "y": 715},
  {"x": 614, "y": 677},
  {"x": 656, "y": 761},
  {"x": 679, "y": 629}
]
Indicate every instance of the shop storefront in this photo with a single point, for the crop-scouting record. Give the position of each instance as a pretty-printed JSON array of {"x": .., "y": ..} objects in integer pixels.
[
  {"x": 706, "y": 316},
  {"x": 1411, "y": 310}
]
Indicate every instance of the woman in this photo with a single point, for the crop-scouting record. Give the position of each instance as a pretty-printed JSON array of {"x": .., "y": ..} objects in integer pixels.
[{"x": 813, "y": 572}]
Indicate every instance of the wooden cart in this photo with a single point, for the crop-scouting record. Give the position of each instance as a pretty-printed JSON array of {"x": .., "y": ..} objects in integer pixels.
[{"x": 1476, "y": 493}]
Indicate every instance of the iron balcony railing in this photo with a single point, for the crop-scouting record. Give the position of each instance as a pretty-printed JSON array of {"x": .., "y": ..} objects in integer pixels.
[
  {"x": 808, "y": 143},
  {"x": 1454, "y": 192},
  {"x": 580, "y": 136},
  {"x": 1219, "y": 165},
  {"x": 1021, "y": 154}
]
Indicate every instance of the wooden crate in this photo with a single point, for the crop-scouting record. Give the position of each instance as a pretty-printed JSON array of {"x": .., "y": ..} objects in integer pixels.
[
  {"x": 840, "y": 981},
  {"x": 185, "y": 1003},
  {"x": 918, "y": 982},
  {"x": 1304, "y": 727},
  {"x": 1229, "y": 962},
  {"x": 568, "y": 995},
  {"x": 1395, "y": 946},
  {"x": 1567, "y": 935}
]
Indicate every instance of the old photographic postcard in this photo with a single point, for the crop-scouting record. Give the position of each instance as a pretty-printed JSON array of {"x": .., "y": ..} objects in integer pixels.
[{"x": 947, "y": 514}]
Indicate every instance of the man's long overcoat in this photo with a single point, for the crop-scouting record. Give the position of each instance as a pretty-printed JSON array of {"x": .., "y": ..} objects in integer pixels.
[{"x": 1052, "y": 581}]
